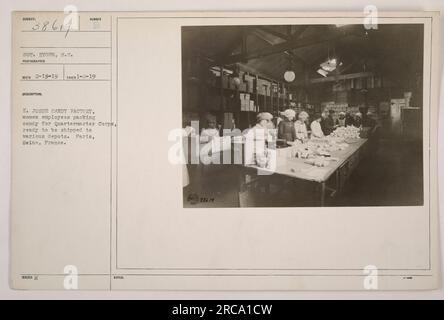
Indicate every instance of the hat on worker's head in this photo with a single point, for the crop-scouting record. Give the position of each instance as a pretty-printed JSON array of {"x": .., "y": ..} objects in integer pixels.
[
  {"x": 303, "y": 115},
  {"x": 264, "y": 116},
  {"x": 289, "y": 113}
]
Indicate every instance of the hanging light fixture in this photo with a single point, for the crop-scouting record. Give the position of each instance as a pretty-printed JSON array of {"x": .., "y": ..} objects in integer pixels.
[
  {"x": 322, "y": 72},
  {"x": 329, "y": 65},
  {"x": 289, "y": 74}
]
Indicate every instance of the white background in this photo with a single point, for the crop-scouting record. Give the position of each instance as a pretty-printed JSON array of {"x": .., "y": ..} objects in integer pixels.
[{"x": 6, "y": 6}]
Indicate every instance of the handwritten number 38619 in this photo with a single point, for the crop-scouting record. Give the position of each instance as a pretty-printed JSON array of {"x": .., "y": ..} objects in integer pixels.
[{"x": 53, "y": 26}]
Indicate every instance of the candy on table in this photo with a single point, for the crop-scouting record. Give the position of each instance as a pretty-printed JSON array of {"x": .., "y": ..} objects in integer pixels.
[
  {"x": 349, "y": 132},
  {"x": 319, "y": 162}
]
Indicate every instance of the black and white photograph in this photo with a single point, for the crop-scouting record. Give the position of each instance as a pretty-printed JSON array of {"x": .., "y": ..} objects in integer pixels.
[
  {"x": 318, "y": 115},
  {"x": 234, "y": 152}
]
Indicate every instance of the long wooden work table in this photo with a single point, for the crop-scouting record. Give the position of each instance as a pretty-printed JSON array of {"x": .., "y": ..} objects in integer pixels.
[{"x": 297, "y": 168}]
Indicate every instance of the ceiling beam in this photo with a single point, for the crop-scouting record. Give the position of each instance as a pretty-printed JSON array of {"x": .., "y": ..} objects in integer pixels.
[
  {"x": 342, "y": 77},
  {"x": 284, "y": 46},
  {"x": 293, "y": 57},
  {"x": 296, "y": 35}
]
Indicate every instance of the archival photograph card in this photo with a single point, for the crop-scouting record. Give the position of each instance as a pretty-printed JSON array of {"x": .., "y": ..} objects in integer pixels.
[{"x": 256, "y": 151}]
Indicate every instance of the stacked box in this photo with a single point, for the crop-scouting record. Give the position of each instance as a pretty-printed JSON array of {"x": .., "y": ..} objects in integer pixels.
[
  {"x": 252, "y": 107},
  {"x": 243, "y": 106},
  {"x": 260, "y": 86},
  {"x": 250, "y": 84},
  {"x": 245, "y": 101}
]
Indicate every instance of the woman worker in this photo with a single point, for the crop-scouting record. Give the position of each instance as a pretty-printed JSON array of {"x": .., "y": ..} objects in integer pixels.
[
  {"x": 327, "y": 123},
  {"x": 257, "y": 139},
  {"x": 301, "y": 127},
  {"x": 340, "y": 122},
  {"x": 358, "y": 120},
  {"x": 264, "y": 121},
  {"x": 210, "y": 131},
  {"x": 316, "y": 130},
  {"x": 286, "y": 129},
  {"x": 349, "y": 119}
]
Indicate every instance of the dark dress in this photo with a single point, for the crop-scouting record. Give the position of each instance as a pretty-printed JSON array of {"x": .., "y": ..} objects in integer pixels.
[
  {"x": 286, "y": 130},
  {"x": 357, "y": 122},
  {"x": 349, "y": 121},
  {"x": 327, "y": 125}
]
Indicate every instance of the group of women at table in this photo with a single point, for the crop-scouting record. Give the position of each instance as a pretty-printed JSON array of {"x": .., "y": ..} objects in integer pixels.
[{"x": 291, "y": 128}]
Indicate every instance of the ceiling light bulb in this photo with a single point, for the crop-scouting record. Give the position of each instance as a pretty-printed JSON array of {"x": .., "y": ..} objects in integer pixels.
[{"x": 289, "y": 76}]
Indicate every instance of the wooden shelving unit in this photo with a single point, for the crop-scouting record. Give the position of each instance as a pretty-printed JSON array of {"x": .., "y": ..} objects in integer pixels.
[{"x": 206, "y": 92}]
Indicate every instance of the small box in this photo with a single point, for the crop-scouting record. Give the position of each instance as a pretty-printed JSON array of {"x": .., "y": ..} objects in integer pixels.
[
  {"x": 250, "y": 86},
  {"x": 243, "y": 105},
  {"x": 251, "y": 106}
]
